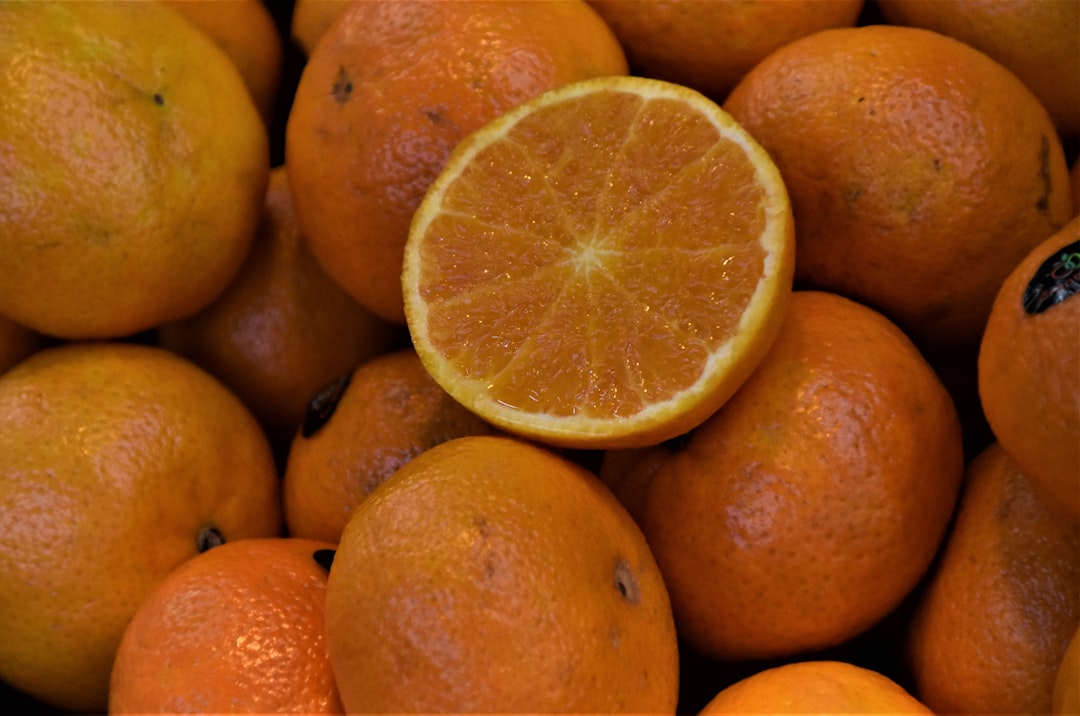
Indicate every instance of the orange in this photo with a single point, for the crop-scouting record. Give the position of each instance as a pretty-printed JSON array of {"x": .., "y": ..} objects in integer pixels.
[
  {"x": 818, "y": 687},
  {"x": 709, "y": 46},
  {"x": 387, "y": 93},
  {"x": 310, "y": 20},
  {"x": 1066, "y": 695},
  {"x": 121, "y": 462},
  {"x": 1029, "y": 368},
  {"x": 255, "y": 643},
  {"x": 993, "y": 623},
  {"x": 920, "y": 171},
  {"x": 807, "y": 507},
  {"x": 358, "y": 432},
  {"x": 1039, "y": 40},
  {"x": 246, "y": 31},
  {"x": 282, "y": 329},
  {"x": 489, "y": 575},
  {"x": 16, "y": 342},
  {"x": 132, "y": 186},
  {"x": 558, "y": 284}
]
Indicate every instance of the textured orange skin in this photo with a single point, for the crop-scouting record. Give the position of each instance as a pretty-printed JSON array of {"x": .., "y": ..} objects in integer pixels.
[
  {"x": 1074, "y": 182},
  {"x": 391, "y": 411},
  {"x": 133, "y": 189},
  {"x": 311, "y": 19},
  {"x": 1039, "y": 40},
  {"x": 809, "y": 505},
  {"x": 819, "y": 687},
  {"x": 994, "y": 622},
  {"x": 1029, "y": 380},
  {"x": 388, "y": 92},
  {"x": 245, "y": 30},
  {"x": 1066, "y": 696},
  {"x": 256, "y": 643},
  {"x": 920, "y": 171},
  {"x": 116, "y": 456},
  {"x": 282, "y": 330},
  {"x": 709, "y": 46},
  {"x": 492, "y": 576}
]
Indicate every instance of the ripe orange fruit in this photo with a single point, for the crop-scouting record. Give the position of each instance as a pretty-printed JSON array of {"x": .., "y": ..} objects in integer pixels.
[
  {"x": 132, "y": 186},
  {"x": 121, "y": 461},
  {"x": 993, "y": 624},
  {"x": 282, "y": 330},
  {"x": 255, "y": 642},
  {"x": 556, "y": 284},
  {"x": 16, "y": 342},
  {"x": 246, "y": 31},
  {"x": 490, "y": 575},
  {"x": 1039, "y": 40},
  {"x": 358, "y": 432},
  {"x": 920, "y": 171},
  {"x": 1029, "y": 368},
  {"x": 310, "y": 20},
  {"x": 810, "y": 505},
  {"x": 709, "y": 46},
  {"x": 387, "y": 93},
  {"x": 819, "y": 687},
  {"x": 1066, "y": 696}
]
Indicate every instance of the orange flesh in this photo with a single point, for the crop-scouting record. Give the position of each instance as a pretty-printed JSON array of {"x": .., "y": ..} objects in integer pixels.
[{"x": 661, "y": 281}]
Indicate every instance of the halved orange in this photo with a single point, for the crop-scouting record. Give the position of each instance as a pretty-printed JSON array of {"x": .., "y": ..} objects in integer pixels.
[{"x": 601, "y": 266}]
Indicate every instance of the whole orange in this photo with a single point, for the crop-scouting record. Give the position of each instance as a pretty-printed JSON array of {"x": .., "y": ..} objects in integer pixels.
[
  {"x": 808, "y": 506},
  {"x": 255, "y": 643},
  {"x": 709, "y": 46},
  {"x": 920, "y": 171},
  {"x": 121, "y": 461},
  {"x": 1029, "y": 368},
  {"x": 282, "y": 329},
  {"x": 994, "y": 621},
  {"x": 389, "y": 90},
  {"x": 246, "y": 31},
  {"x": 133, "y": 180},
  {"x": 1039, "y": 40},
  {"x": 490, "y": 575},
  {"x": 818, "y": 687},
  {"x": 358, "y": 432}
]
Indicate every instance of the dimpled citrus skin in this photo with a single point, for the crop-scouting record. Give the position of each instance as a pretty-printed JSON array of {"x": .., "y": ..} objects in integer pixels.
[
  {"x": 808, "y": 506},
  {"x": 490, "y": 575},
  {"x": 388, "y": 91},
  {"x": 134, "y": 172},
  {"x": 1029, "y": 369},
  {"x": 994, "y": 621},
  {"x": 915, "y": 195},
  {"x": 255, "y": 644},
  {"x": 118, "y": 461},
  {"x": 819, "y": 687}
]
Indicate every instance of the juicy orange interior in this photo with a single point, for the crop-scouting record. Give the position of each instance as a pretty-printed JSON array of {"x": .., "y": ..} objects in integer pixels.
[{"x": 578, "y": 262}]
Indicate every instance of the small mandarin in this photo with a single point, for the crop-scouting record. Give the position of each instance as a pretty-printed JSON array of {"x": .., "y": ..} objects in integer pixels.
[
  {"x": 120, "y": 462},
  {"x": 994, "y": 621},
  {"x": 915, "y": 195},
  {"x": 389, "y": 90},
  {"x": 360, "y": 430},
  {"x": 806, "y": 508},
  {"x": 239, "y": 628},
  {"x": 491, "y": 575}
]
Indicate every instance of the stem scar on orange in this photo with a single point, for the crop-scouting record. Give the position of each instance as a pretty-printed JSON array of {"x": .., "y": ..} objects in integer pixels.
[{"x": 601, "y": 266}]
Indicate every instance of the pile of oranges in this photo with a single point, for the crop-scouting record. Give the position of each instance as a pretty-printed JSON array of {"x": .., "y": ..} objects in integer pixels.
[{"x": 582, "y": 356}]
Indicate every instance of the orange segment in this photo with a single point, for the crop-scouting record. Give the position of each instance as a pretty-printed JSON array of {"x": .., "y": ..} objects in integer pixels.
[{"x": 601, "y": 266}]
